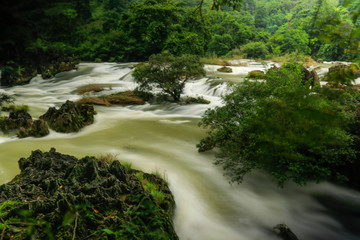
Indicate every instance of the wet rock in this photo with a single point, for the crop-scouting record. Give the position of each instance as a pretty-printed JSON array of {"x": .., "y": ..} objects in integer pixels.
[
  {"x": 320, "y": 60},
  {"x": 16, "y": 120},
  {"x": 225, "y": 69},
  {"x": 284, "y": 232},
  {"x": 70, "y": 117},
  {"x": 78, "y": 198},
  {"x": 39, "y": 128}
]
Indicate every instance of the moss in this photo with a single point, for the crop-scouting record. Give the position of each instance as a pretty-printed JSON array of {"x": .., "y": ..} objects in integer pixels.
[{"x": 14, "y": 108}]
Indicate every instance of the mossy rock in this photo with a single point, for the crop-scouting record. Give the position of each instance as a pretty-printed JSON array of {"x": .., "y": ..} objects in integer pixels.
[
  {"x": 70, "y": 117},
  {"x": 225, "y": 69},
  {"x": 83, "y": 199},
  {"x": 256, "y": 74}
]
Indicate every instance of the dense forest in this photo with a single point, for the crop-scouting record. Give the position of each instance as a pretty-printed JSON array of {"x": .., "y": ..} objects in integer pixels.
[{"x": 37, "y": 33}]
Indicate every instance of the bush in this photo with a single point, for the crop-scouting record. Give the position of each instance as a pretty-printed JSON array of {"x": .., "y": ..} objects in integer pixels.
[
  {"x": 255, "y": 50},
  {"x": 282, "y": 127}
]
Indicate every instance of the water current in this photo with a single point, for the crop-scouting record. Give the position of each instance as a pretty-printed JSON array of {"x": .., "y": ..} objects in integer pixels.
[{"x": 162, "y": 138}]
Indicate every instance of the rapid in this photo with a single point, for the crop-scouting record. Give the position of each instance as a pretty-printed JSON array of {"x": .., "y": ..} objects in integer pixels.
[{"x": 163, "y": 138}]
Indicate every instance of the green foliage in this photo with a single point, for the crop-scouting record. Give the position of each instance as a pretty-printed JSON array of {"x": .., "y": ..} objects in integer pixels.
[
  {"x": 220, "y": 44},
  {"x": 282, "y": 127},
  {"x": 255, "y": 50},
  {"x": 291, "y": 40},
  {"x": 168, "y": 73},
  {"x": 127, "y": 165},
  {"x": 151, "y": 188}
]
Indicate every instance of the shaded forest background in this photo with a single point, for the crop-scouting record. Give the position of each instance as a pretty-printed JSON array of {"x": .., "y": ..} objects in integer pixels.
[{"x": 36, "y": 34}]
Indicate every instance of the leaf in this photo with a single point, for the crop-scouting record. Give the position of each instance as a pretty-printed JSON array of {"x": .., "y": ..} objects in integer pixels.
[{"x": 108, "y": 231}]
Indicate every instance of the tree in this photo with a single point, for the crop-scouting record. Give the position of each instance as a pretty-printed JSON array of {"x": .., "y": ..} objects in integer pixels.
[
  {"x": 168, "y": 73},
  {"x": 280, "y": 126}
]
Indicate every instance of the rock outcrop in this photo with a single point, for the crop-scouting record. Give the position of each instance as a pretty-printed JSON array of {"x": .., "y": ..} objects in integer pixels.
[
  {"x": 58, "y": 196},
  {"x": 70, "y": 117},
  {"x": 16, "y": 120}
]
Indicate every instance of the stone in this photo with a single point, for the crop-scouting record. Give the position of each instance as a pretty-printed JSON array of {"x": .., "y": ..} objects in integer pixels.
[
  {"x": 16, "y": 120},
  {"x": 70, "y": 117},
  {"x": 39, "y": 128}
]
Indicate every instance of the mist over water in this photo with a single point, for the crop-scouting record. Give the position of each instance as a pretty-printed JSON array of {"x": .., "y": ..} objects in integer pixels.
[{"x": 162, "y": 138}]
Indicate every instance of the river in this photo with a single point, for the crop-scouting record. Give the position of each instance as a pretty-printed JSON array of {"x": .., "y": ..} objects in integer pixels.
[{"x": 162, "y": 138}]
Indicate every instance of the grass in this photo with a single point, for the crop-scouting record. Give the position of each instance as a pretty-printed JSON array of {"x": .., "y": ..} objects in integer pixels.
[
  {"x": 14, "y": 108},
  {"x": 127, "y": 165},
  {"x": 108, "y": 158},
  {"x": 151, "y": 188},
  {"x": 294, "y": 57}
]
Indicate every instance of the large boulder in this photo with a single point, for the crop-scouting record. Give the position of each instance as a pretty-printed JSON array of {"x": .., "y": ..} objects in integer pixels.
[
  {"x": 16, "y": 120},
  {"x": 58, "y": 196},
  {"x": 70, "y": 117}
]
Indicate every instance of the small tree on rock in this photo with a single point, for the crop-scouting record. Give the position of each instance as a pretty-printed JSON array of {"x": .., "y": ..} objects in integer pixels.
[{"x": 168, "y": 73}]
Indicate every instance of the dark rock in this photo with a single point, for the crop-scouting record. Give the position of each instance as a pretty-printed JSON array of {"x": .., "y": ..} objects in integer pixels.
[
  {"x": 39, "y": 128},
  {"x": 320, "y": 60},
  {"x": 70, "y": 117},
  {"x": 88, "y": 195},
  {"x": 16, "y": 120},
  {"x": 284, "y": 232},
  {"x": 23, "y": 132}
]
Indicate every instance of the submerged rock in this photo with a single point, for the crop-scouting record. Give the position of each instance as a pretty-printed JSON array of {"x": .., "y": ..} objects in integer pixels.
[
  {"x": 70, "y": 117},
  {"x": 284, "y": 232},
  {"x": 69, "y": 198}
]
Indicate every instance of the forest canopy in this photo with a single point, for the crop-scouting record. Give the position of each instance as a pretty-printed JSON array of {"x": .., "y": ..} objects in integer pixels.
[{"x": 37, "y": 32}]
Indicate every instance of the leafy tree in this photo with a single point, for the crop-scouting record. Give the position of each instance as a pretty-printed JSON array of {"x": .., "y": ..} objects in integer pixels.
[
  {"x": 291, "y": 40},
  {"x": 282, "y": 127},
  {"x": 147, "y": 26},
  {"x": 255, "y": 50},
  {"x": 220, "y": 44},
  {"x": 168, "y": 73}
]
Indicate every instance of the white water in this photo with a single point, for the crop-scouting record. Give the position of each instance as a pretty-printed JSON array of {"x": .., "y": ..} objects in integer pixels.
[{"x": 163, "y": 138}]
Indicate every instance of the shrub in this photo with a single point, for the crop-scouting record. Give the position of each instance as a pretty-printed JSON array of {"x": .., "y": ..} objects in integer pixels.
[{"x": 255, "y": 50}]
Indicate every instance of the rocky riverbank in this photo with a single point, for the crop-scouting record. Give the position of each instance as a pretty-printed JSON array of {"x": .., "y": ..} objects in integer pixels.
[{"x": 58, "y": 196}]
